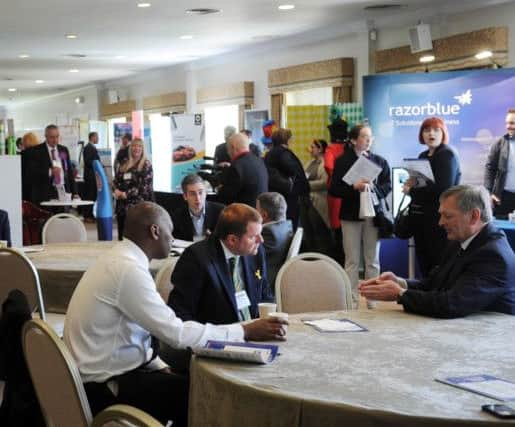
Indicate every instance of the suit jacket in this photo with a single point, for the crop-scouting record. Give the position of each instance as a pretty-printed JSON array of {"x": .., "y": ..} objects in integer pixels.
[
  {"x": 496, "y": 168},
  {"x": 41, "y": 184},
  {"x": 221, "y": 154},
  {"x": 244, "y": 180},
  {"x": 183, "y": 225},
  {"x": 203, "y": 288},
  {"x": 5, "y": 229},
  {"x": 277, "y": 238},
  {"x": 89, "y": 155},
  {"x": 480, "y": 278}
]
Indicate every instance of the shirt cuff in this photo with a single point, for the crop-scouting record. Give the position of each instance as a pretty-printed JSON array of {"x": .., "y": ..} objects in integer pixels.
[
  {"x": 156, "y": 365},
  {"x": 402, "y": 283},
  {"x": 235, "y": 332}
]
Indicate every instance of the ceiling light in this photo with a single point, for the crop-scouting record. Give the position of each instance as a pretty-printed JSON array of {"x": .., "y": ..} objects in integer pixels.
[
  {"x": 202, "y": 11},
  {"x": 40, "y": 81},
  {"x": 484, "y": 54},
  {"x": 426, "y": 58},
  {"x": 23, "y": 56},
  {"x": 186, "y": 37},
  {"x": 142, "y": 5},
  {"x": 71, "y": 36},
  {"x": 11, "y": 89},
  {"x": 73, "y": 70},
  {"x": 286, "y": 7},
  {"x": 120, "y": 57}
]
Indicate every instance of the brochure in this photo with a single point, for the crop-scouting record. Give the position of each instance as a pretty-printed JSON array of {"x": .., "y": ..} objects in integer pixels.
[
  {"x": 335, "y": 325},
  {"x": 419, "y": 169},
  {"x": 238, "y": 351},
  {"x": 486, "y": 385},
  {"x": 363, "y": 168}
]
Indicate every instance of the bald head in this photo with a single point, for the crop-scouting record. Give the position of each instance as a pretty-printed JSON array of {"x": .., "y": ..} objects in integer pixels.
[{"x": 237, "y": 144}]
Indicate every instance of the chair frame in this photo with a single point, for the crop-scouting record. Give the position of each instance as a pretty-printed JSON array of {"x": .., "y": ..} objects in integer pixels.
[
  {"x": 311, "y": 256},
  {"x": 39, "y": 295},
  {"x": 160, "y": 275},
  {"x": 125, "y": 415},
  {"x": 299, "y": 232},
  {"x": 63, "y": 216}
]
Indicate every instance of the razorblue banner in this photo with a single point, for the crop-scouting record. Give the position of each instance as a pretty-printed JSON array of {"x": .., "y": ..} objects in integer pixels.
[{"x": 472, "y": 103}]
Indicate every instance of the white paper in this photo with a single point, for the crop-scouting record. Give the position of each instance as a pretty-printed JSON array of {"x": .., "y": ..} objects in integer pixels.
[
  {"x": 255, "y": 355},
  {"x": 178, "y": 243},
  {"x": 420, "y": 169},
  {"x": 362, "y": 168},
  {"x": 331, "y": 325}
]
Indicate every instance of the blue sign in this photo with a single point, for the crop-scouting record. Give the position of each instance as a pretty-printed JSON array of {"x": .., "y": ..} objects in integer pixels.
[{"x": 472, "y": 103}]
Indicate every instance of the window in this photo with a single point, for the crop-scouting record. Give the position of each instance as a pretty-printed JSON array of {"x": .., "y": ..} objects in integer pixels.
[{"x": 216, "y": 119}]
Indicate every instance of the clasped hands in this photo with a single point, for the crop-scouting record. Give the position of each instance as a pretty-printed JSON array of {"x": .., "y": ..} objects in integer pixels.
[{"x": 385, "y": 287}]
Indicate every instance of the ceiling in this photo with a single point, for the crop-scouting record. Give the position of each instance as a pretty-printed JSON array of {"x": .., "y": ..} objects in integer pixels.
[{"x": 120, "y": 39}]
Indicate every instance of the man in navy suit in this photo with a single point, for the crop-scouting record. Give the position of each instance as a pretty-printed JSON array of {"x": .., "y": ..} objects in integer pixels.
[
  {"x": 197, "y": 218},
  {"x": 5, "y": 229},
  {"x": 478, "y": 268},
  {"x": 222, "y": 279},
  {"x": 49, "y": 167}
]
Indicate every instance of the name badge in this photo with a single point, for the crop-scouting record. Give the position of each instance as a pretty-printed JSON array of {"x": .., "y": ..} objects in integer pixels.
[
  {"x": 127, "y": 176},
  {"x": 56, "y": 163},
  {"x": 242, "y": 300}
]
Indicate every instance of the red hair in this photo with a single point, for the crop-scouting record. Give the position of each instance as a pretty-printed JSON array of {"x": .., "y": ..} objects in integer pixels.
[{"x": 437, "y": 123}]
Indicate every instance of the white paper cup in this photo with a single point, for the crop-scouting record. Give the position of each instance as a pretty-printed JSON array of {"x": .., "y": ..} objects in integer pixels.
[
  {"x": 278, "y": 315},
  {"x": 265, "y": 308},
  {"x": 3, "y": 244}
]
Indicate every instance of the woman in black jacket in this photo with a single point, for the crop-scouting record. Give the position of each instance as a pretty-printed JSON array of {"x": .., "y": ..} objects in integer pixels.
[
  {"x": 430, "y": 238},
  {"x": 358, "y": 233}
]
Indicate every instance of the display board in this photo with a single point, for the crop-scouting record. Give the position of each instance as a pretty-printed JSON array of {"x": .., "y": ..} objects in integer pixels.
[
  {"x": 254, "y": 120},
  {"x": 10, "y": 188},
  {"x": 472, "y": 103}
]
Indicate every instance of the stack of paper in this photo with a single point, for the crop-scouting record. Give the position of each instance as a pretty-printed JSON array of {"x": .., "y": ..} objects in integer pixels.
[
  {"x": 238, "y": 351},
  {"x": 335, "y": 325},
  {"x": 487, "y": 385}
]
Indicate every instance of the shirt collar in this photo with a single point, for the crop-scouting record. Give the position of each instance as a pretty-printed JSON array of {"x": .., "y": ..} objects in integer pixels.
[
  {"x": 239, "y": 155},
  {"x": 202, "y": 213},
  {"x": 464, "y": 245},
  {"x": 136, "y": 251},
  {"x": 227, "y": 253}
]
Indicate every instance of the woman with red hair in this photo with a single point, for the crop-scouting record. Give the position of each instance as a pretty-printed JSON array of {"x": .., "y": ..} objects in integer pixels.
[{"x": 430, "y": 238}]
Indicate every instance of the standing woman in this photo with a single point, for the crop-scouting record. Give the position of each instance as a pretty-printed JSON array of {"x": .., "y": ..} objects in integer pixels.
[
  {"x": 359, "y": 233},
  {"x": 314, "y": 214},
  {"x": 430, "y": 238},
  {"x": 133, "y": 182}
]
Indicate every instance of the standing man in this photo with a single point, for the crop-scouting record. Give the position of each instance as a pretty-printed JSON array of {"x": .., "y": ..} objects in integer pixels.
[
  {"x": 223, "y": 279},
  {"x": 222, "y": 157},
  {"x": 49, "y": 168},
  {"x": 197, "y": 218},
  {"x": 500, "y": 170},
  {"x": 90, "y": 154},
  {"x": 123, "y": 152},
  {"x": 247, "y": 176}
]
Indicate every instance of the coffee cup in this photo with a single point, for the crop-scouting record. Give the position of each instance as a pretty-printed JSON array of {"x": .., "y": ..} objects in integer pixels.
[
  {"x": 278, "y": 315},
  {"x": 3, "y": 243},
  {"x": 265, "y": 308}
]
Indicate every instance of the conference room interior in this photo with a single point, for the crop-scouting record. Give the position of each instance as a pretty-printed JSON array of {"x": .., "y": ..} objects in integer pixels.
[{"x": 176, "y": 76}]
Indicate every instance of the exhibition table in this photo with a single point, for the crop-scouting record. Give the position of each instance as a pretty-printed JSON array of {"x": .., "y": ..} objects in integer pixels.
[
  {"x": 382, "y": 377},
  {"x": 61, "y": 265}
]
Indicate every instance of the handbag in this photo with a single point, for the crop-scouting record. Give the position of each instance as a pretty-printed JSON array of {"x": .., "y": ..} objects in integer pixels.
[
  {"x": 366, "y": 204},
  {"x": 383, "y": 220},
  {"x": 404, "y": 226}
]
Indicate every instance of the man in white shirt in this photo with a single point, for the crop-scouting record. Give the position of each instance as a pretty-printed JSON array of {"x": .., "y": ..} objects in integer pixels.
[{"x": 116, "y": 309}]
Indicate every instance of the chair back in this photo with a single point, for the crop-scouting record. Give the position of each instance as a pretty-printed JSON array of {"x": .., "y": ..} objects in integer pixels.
[
  {"x": 55, "y": 377},
  {"x": 33, "y": 220},
  {"x": 296, "y": 241},
  {"x": 312, "y": 282},
  {"x": 18, "y": 272},
  {"x": 64, "y": 228},
  {"x": 124, "y": 416},
  {"x": 162, "y": 279}
]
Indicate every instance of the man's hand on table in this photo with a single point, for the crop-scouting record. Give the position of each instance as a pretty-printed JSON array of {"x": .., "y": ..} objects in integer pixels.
[
  {"x": 385, "y": 287},
  {"x": 265, "y": 330}
]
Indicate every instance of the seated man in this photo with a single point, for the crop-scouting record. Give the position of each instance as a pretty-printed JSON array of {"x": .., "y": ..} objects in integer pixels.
[
  {"x": 277, "y": 232},
  {"x": 197, "y": 218},
  {"x": 478, "y": 268},
  {"x": 223, "y": 278},
  {"x": 5, "y": 229},
  {"x": 115, "y": 310}
]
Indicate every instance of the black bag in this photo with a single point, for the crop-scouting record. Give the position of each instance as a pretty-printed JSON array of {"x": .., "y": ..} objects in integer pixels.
[
  {"x": 278, "y": 182},
  {"x": 383, "y": 220},
  {"x": 404, "y": 227}
]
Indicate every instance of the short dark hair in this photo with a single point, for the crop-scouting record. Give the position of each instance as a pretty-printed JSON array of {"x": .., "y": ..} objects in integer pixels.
[
  {"x": 91, "y": 135},
  {"x": 355, "y": 131},
  {"x": 51, "y": 127},
  {"x": 274, "y": 204},
  {"x": 321, "y": 144},
  {"x": 127, "y": 136},
  {"x": 190, "y": 179},
  {"x": 511, "y": 111},
  {"x": 234, "y": 220},
  {"x": 281, "y": 136}
]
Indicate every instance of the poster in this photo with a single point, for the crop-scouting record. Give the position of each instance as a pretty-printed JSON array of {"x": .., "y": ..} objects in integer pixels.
[
  {"x": 188, "y": 146},
  {"x": 120, "y": 129},
  {"x": 472, "y": 103},
  {"x": 254, "y": 120}
]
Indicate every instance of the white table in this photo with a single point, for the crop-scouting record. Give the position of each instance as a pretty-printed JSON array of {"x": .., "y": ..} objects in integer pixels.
[{"x": 67, "y": 203}]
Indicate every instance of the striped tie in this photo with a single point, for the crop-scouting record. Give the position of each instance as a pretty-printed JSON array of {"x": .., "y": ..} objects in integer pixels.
[{"x": 244, "y": 313}]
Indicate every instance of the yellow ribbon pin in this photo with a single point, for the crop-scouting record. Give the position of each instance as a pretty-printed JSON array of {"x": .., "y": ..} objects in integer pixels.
[{"x": 258, "y": 274}]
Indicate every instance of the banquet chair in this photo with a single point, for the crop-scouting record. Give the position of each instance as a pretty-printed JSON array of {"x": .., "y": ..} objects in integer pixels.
[
  {"x": 64, "y": 228},
  {"x": 55, "y": 377},
  {"x": 162, "y": 279},
  {"x": 312, "y": 282},
  {"x": 124, "y": 416},
  {"x": 296, "y": 241}
]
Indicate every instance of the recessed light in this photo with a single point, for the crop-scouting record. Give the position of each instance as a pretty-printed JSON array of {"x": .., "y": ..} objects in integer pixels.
[
  {"x": 426, "y": 58},
  {"x": 286, "y": 7},
  {"x": 73, "y": 70},
  {"x": 186, "y": 37},
  {"x": 143, "y": 5},
  {"x": 39, "y": 81},
  {"x": 120, "y": 57},
  {"x": 11, "y": 89},
  {"x": 23, "y": 56},
  {"x": 484, "y": 54},
  {"x": 202, "y": 11},
  {"x": 71, "y": 36}
]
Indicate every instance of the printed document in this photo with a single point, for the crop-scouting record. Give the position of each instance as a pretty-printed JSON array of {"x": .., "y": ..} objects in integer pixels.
[{"x": 363, "y": 168}]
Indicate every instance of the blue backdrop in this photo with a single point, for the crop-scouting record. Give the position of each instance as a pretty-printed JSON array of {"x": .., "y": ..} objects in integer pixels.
[{"x": 472, "y": 103}]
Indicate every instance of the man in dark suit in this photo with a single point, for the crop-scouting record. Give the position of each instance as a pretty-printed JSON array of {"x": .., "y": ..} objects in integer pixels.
[
  {"x": 49, "y": 168},
  {"x": 5, "y": 229},
  {"x": 222, "y": 157},
  {"x": 197, "y": 218},
  {"x": 123, "y": 153},
  {"x": 277, "y": 232},
  {"x": 477, "y": 270},
  {"x": 90, "y": 154},
  {"x": 247, "y": 176},
  {"x": 222, "y": 279}
]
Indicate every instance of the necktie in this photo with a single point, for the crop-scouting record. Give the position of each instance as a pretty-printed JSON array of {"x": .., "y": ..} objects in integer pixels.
[
  {"x": 57, "y": 179},
  {"x": 244, "y": 313}
]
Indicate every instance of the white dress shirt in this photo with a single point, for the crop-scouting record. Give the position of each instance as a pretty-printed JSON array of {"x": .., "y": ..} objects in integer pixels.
[{"x": 114, "y": 310}]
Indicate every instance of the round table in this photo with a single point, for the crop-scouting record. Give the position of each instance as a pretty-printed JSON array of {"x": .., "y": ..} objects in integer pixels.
[
  {"x": 61, "y": 265},
  {"x": 383, "y": 377},
  {"x": 67, "y": 203}
]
